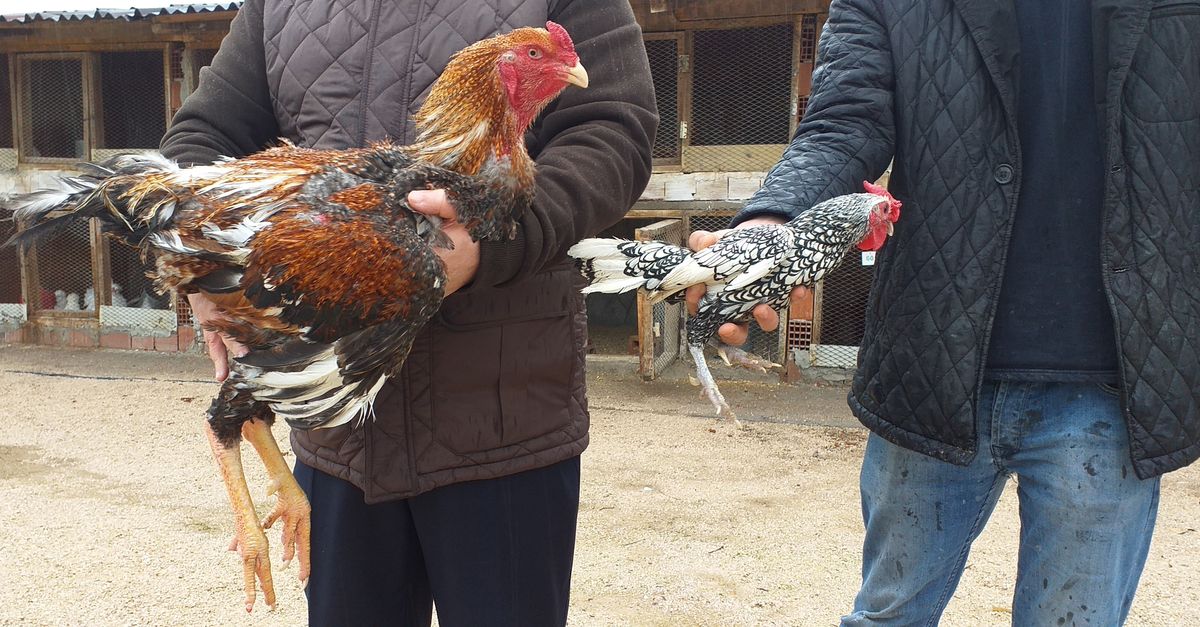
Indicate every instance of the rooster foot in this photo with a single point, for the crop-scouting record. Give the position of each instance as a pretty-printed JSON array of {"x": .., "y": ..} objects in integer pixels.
[
  {"x": 250, "y": 543},
  {"x": 291, "y": 504},
  {"x": 734, "y": 356},
  {"x": 724, "y": 411},
  {"x": 292, "y": 508},
  {"x": 708, "y": 387}
]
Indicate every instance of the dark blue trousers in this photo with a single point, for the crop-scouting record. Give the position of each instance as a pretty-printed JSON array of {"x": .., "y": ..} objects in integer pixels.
[{"x": 496, "y": 552}]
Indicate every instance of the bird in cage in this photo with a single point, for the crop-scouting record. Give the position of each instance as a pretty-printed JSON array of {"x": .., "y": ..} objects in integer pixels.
[
  {"x": 745, "y": 268},
  {"x": 118, "y": 300},
  {"x": 316, "y": 259}
]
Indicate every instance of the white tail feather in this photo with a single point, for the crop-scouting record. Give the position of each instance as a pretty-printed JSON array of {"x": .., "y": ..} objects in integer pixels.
[{"x": 615, "y": 285}]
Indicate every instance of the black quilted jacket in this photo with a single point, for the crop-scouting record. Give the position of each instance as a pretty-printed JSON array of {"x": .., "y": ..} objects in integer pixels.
[{"x": 932, "y": 84}]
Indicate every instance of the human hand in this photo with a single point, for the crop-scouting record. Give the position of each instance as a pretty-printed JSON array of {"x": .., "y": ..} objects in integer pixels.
[
  {"x": 220, "y": 347},
  {"x": 767, "y": 318},
  {"x": 463, "y": 260}
]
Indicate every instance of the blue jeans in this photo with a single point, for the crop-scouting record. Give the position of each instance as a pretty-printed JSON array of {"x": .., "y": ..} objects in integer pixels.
[{"x": 1086, "y": 519}]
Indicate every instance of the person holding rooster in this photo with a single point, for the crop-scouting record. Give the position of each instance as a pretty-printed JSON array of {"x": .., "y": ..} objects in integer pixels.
[
  {"x": 1037, "y": 312},
  {"x": 463, "y": 490}
]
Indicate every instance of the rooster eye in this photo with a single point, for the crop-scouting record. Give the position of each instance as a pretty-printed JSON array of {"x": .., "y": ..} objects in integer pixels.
[{"x": 534, "y": 53}]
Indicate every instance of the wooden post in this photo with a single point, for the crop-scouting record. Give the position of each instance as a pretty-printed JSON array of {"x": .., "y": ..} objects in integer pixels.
[{"x": 101, "y": 267}]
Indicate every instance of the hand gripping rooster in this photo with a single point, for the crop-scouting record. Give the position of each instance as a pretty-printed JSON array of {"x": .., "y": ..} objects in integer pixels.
[
  {"x": 745, "y": 268},
  {"x": 315, "y": 258}
]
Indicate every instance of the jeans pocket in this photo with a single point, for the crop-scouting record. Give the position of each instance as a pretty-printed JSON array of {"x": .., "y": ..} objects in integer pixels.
[{"x": 1110, "y": 389}]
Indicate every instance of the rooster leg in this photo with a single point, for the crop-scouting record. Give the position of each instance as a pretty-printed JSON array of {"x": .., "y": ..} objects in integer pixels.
[
  {"x": 734, "y": 356},
  {"x": 250, "y": 541},
  {"x": 291, "y": 505},
  {"x": 708, "y": 386}
]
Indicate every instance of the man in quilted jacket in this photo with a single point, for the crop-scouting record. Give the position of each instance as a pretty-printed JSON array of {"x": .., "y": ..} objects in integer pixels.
[
  {"x": 464, "y": 489},
  {"x": 1037, "y": 314}
]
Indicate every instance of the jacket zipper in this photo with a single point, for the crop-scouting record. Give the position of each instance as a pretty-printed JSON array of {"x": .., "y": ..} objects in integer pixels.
[{"x": 365, "y": 96}]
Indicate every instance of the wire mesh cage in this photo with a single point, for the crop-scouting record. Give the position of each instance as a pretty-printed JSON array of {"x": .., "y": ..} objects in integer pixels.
[
  {"x": 840, "y": 312},
  {"x": 664, "y": 70},
  {"x": 741, "y": 102},
  {"x": 660, "y": 324},
  {"x": 131, "y": 113},
  {"x": 63, "y": 272},
  {"x": 131, "y": 304},
  {"x": 52, "y": 108},
  {"x": 8, "y": 153}
]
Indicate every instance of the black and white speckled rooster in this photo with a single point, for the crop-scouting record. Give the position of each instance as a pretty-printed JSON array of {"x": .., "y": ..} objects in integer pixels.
[{"x": 747, "y": 267}]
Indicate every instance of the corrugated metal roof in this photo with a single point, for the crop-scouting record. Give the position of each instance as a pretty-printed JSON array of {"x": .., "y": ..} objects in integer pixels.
[{"x": 117, "y": 14}]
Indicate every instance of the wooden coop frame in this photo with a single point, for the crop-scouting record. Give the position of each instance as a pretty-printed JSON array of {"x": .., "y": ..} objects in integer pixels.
[{"x": 184, "y": 40}]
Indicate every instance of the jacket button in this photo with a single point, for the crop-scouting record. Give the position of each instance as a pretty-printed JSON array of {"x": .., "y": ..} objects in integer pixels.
[{"x": 1004, "y": 174}]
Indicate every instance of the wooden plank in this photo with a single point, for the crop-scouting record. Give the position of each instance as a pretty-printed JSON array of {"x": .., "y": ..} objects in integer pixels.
[
  {"x": 685, "y": 96},
  {"x": 643, "y": 214},
  {"x": 30, "y": 290},
  {"x": 680, "y": 187},
  {"x": 797, "y": 28},
  {"x": 656, "y": 188},
  {"x": 712, "y": 186},
  {"x": 743, "y": 185},
  {"x": 101, "y": 267},
  {"x": 705, "y": 207},
  {"x": 93, "y": 104},
  {"x": 67, "y": 320}
]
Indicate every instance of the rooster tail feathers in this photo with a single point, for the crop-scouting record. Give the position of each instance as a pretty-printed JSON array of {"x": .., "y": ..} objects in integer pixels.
[
  {"x": 116, "y": 191},
  {"x": 33, "y": 210},
  {"x": 613, "y": 266}
]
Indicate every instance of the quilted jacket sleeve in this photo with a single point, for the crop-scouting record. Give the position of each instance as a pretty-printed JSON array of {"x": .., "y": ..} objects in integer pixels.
[
  {"x": 230, "y": 112},
  {"x": 848, "y": 132},
  {"x": 592, "y": 146}
]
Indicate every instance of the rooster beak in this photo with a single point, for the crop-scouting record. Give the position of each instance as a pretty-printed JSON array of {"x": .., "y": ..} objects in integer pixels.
[
  {"x": 576, "y": 75},
  {"x": 891, "y": 229}
]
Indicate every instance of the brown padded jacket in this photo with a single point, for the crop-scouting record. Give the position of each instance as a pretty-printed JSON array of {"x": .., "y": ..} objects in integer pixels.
[{"x": 495, "y": 383}]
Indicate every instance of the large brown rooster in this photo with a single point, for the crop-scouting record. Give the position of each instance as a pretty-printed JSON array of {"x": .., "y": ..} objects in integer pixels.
[{"x": 316, "y": 260}]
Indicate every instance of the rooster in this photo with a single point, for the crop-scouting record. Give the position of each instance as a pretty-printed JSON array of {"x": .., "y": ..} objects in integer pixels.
[
  {"x": 315, "y": 259},
  {"x": 745, "y": 268}
]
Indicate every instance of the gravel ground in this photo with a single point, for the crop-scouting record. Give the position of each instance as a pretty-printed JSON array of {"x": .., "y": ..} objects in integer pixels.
[{"x": 112, "y": 512}]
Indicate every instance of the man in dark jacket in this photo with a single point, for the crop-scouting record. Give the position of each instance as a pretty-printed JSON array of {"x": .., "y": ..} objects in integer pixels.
[
  {"x": 1038, "y": 312},
  {"x": 464, "y": 490}
]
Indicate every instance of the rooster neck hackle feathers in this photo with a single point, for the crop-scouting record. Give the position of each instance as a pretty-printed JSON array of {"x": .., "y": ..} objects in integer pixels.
[{"x": 467, "y": 122}]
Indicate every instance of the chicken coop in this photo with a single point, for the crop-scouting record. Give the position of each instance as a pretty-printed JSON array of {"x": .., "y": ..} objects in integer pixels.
[
  {"x": 83, "y": 86},
  {"x": 731, "y": 79}
]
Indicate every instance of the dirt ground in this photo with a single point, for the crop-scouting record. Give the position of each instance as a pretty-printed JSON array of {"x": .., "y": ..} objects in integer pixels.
[{"x": 112, "y": 513}]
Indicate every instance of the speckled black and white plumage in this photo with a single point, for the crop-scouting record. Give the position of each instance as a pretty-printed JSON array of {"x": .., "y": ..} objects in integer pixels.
[{"x": 745, "y": 268}]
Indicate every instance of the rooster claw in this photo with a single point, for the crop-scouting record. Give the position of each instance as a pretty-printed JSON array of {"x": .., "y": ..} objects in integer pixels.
[
  {"x": 734, "y": 356},
  {"x": 724, "y": 411}
]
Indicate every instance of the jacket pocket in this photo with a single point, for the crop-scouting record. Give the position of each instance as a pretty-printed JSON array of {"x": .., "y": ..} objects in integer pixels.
[
  {"x": 537, "y": 366},
  {"x": 502, "y": 368},
  {"x": 1168, "y": 8}
]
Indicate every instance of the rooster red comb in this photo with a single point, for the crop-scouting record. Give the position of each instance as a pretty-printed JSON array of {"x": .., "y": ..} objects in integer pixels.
[
  {"x": 893, "y": 204},
  {"x": 559, "y": 36}
]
